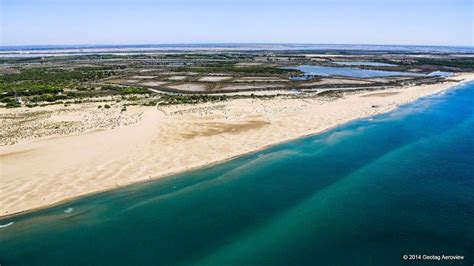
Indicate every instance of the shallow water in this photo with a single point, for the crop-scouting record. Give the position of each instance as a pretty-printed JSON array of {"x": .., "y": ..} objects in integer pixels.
[
  {"x": 350, "y": 72},
  {"x": 365, "y": 193}
]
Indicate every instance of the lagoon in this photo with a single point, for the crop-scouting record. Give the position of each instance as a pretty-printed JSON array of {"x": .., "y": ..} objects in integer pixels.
[{"x": 350, "y": 72}]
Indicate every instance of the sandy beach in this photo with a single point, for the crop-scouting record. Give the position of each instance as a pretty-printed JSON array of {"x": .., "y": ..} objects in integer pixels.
[{"x": 101, "y": 150}]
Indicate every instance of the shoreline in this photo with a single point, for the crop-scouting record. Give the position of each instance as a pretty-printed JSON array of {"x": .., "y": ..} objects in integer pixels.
[
  {"x": 171, "y": 175},
  {"x": 156, "y": 131}
]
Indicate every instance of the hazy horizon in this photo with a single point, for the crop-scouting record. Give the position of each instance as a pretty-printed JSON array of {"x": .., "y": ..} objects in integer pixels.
[
  {"x": 222, "y": 43},
  {"x": 166, "y": 22}
]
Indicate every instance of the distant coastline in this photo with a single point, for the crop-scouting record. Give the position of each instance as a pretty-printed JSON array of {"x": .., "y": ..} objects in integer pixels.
[{"x": 244, "y": 46}]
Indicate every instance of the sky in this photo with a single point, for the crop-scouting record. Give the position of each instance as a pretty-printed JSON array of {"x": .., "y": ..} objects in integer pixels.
[{"x": 65, "y": 22}]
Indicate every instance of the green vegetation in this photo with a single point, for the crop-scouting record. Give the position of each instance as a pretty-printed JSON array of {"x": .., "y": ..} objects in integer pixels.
[
  {"x": 50, "y": 77},
  {"x": 448, "y": 62},
  {"x": 217, "y": 56},
  {"x": 189, "y": 99},
  {"x": 17, "y": 60},
  {"x": 11, "y": 103},
  {"x": 49, "y": 98},
  {"x": 45, "y": 84},
  {"x": 150, "y": 103},
  {"x": 36, "y": 85},
  {"x": 125, "y": 90},
  {"x": 247, "y": 70}
]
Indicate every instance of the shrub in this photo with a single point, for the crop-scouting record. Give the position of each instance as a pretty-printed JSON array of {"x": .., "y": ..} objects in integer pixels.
[{"x": 13, "y": 105}]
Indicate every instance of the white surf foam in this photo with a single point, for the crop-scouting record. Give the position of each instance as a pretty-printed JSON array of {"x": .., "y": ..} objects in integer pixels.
[{"x": 6, "y": 225}]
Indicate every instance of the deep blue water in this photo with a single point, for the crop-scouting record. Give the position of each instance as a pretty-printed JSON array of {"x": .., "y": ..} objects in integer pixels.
[{"x": 365, "y": 193}]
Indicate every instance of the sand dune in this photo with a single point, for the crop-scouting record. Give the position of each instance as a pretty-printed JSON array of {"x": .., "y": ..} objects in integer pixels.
[{"x": 173, "y": 139}]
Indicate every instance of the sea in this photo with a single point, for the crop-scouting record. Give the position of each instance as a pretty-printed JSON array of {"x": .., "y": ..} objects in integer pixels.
[{"x": 392, "y": 189}]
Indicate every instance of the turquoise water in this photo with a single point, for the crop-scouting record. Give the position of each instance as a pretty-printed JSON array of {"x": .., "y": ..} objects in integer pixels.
[
  {"x": 350, "y": 72},
  {"x": 365, "y": 193},
  {"x": 362, "y": 63}
]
